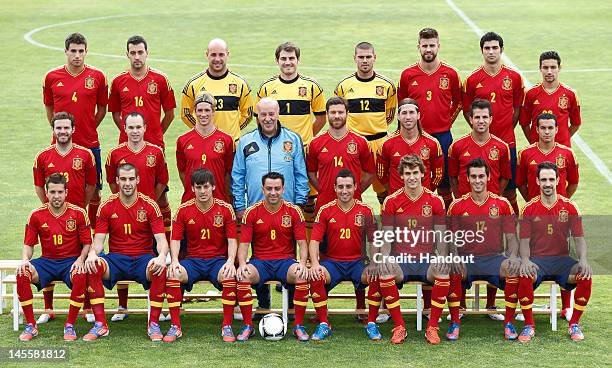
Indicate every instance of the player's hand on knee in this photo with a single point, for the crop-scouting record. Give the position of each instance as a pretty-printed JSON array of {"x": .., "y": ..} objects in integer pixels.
[
  {"x": 78, "y": 266},
  {"x": 442, "y": 268},
  {"x": 372, "y": 271},
  {"x": 174, "y": 270},
  {"x": 585, "y": 270},
  {"x": 228, "y": 270},
  {"x": 529, "y": 269},
  {"x": 23, "y": 267},
  {"x": 316, "y": 272},
  {"x": 243, "y": 273},
  {"x": 514, "y": 265},
  {"x": 301, "y": 271},
  {"x": 92, "y": 262},
  {"x": 457, "y": 268},
  {"x": 157, "y": 265}
]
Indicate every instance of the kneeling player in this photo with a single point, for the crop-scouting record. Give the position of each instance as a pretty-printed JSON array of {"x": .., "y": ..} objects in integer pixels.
[
  {"x": 491, "y": 219},
  {"x": 272, "y": 226},
  {"x": 545, "y": 225},
  {"x": 208, "y": 226},
  {"x": 420, "y": 211},
  {"x": 339, "y": 235},
  {"x": 65, "y": 238},
  {"x": 132, "y": 220}
]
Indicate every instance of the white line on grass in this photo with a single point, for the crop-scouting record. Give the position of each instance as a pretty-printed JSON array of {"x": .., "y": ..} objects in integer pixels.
[{"x": 584, "y": 147}]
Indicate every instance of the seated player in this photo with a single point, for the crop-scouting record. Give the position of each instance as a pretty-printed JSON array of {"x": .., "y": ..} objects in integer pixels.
[
  {"x": 336, "y": 251},
  {"x": 208, "y": 226},
  {"x": 65, "y": 239},
  {"x": 491, "y": 219},
  {"x": 132, "y": 221},
  {"x": 416, "y": 208},
  {"x": 272, "y": 226},
  {"x": 546, "y": 223}
]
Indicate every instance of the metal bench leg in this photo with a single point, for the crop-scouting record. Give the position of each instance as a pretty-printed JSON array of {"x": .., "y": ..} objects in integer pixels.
[
  {"x": 16, "y": 307},
  {"x": 285, "y": 307},
  {"x": 2, "y": 292},
  {"x": 553, "y": 307},
  {"x": 419, "y": 307}
]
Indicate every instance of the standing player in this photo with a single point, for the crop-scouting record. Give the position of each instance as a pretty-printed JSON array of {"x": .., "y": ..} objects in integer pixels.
[
  {"x": 553, "y": 97},
  {"x": 372, "y": 100},
  {"x": 205, "y": 146},
  {"x": 233, "y": 101},
  {"x": 77, "y": 164},
  {"x": 490, "y": 217},
  {"x": 410, "y": 139},
  {"x": 208, "y": 227},
  {"x": 272, "y": 227},
  {"x": 82, "y": 91},
  {"x": 65, "y": 239},
  {"x": 142, "y": 89},
  {"x": 546, "y": 223},
  {"x": 503, "y": 87},
  {"x": 133, "y": 222},
  {"x": 436, "y": 86}
]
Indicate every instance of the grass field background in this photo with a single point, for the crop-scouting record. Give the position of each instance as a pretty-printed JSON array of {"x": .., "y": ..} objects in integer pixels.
[{"x": 177, "y": 33}]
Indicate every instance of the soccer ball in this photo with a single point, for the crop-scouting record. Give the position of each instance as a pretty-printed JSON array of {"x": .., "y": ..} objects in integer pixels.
[{"x": 272, "y": 327}]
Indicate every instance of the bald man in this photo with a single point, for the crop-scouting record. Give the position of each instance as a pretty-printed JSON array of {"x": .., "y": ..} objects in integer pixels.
[{"x": 234, "y": 104}]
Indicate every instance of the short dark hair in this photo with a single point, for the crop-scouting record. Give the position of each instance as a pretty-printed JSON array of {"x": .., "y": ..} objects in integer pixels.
[
  {"x": 482, "y": 104},
  {"x": 75, "y": 38},
  {"x": 134, "y": 114},
  {"x": 345, "y": 173},
  {"x": 427, "y": 33},
  {"x": 478, "y": 162},
  {"x": 126, "y": 167},
  {"x": 272, "y": 175},
  {"x": 288, "y": 47},
  {"x": 547, "y": 165},
  {"x": 202, "y": 176},
  {"x": 550, "y": 55},
  {"x": 135, "y": 40},
  {"x": 546, "y": 116},
  {"x": 336, "y": 100},
  {"x": 55, "y": 178},
  {"x": 364, "y": 46},
  {"x": 62, "y": 115},
  {"x": 491, "y": 36},
  {"x": 410, "y": 161}
]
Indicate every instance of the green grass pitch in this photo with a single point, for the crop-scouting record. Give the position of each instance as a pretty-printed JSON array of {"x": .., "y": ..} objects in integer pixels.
[{"x": 177, "y": 33}]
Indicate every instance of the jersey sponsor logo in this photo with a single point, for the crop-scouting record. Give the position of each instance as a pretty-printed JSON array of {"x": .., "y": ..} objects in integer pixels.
[
  {"x": 114, "y": 216},
  {"x": 563, "y": 216},
  {"x": 122, "y": 161},
  {"x": 70, "y": 225},
  {"x": 77, "y": 163},
  {"x": 351, "y": 147},
  {"x": 332, "y": 220},
  {"x": 494, "y": 154},
  {"x": 537, "y": 219},
  {"x": 90, "y": 83},
  {"x": 494, "y": 211},
  {"x": 287, "y": 146},
  {"x": 533, "y": 162},
  {"x": 444, "y": 83},
  {"x": 191, "y": 222},
  {"x": 400, "y": 210},
  {"x": 51, "y": 165},
  {"x": 536, "y": 102},
  {"x": 233, "y": 88},
  {"x": 250, "y": 149},
  {"x": 425, "y": 153},
  {"x": 560, "y": 161},
  {"x": 218, "y": 221},
  {"x": 141, "y": 216},
  {"x": 219, "y": 146},
  {"x": 59, "y": 84},
  {"x": 426, "y": 210},
  {"x": 189, "y": 147},
  {"x": 507, "y": 84},
  {"x": 150, "y": 160},
  {"x": 324, "y": 150},
  {"x": 479, "y": 85},
  {"x": 359, "y": 219},
  {"x": 302, "y": 91},
  {"x": 152, "y": 88},
  {"x": 466, "y": 154},
  {"x": 125, "y": 89},
  {"x": 351, "y": 90},
  {"x": 286, "y": 221},
  {"x": 415, "y": 83},
  {"x": 396, "y": 154},
  {"x": 273, "y": 92},
  {"x": 260, "y": 221},
  {"x": 563, "y": 101},
  {"x": 380, "y": 90},
  {"x": 44, "y": 225}
]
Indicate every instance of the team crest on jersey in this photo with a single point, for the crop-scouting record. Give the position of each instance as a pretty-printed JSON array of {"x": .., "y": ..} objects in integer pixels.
[
  {"x": 286, "y": 221},
  {"x": 77, "y": 163},
  {"x": 90, "y": 83},
  {"x": 218, "y": 221},
  {"x": 380, "y": 90},
  {"x": 302, "y": 91},
  {"x": 425, "y": 153},
  {"x": 287, "y": 146},
  {"x": 563, "y": 101},
  {"x": 494, "y": 154},
  {"x": 426, "y": 210},
  {"x": 563, "y": 216},
  {"x": 359, "y": 219},
  {"x": 219, "y": 146},
  {"x": 70, "y": 225},
  {"x": 351, "y": 147},
  {"x": 233, "y": 88},
  {"x": 507, "y": 83},
  {"x": 150, "y": 160},
  {"x": 493, "y": 211},
  {"x": 152, "y": 88},
  {"x": 560, "y": 161},
  {"x": 141, "y": 216},
  {"x": 444, "y": 83}
]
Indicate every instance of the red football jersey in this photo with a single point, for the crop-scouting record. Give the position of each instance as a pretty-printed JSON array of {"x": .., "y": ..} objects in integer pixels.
[
  {"x": 130, "y": 229},
  {"x": 207, "y": 231},
  {"x": 344, "y": 231},
  {"x": 504, "y": 90},
  {"x": 272, "y": 235},
  {"x": 149, "y": 161},
  {"x": 530, "y": 157},
  {"x": 148, "y": 95},
  {"x": 78, "y": 167},
  {"x": 327, "y": 156},
  {"x": 494, "y": 218},
  {"x": 60, "y": 236},
  {"x": 548, "y": 228},
  {"x": 438, "y": 94},
  {"x": 396, "y": 147},
  {"x": 494, "y": 151},
  {"x": 419, "y": 214},
  {"x": 562, "y": 102},
  {"x": 214, "y": 152},
  {"x": 79, "y": 95}
]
